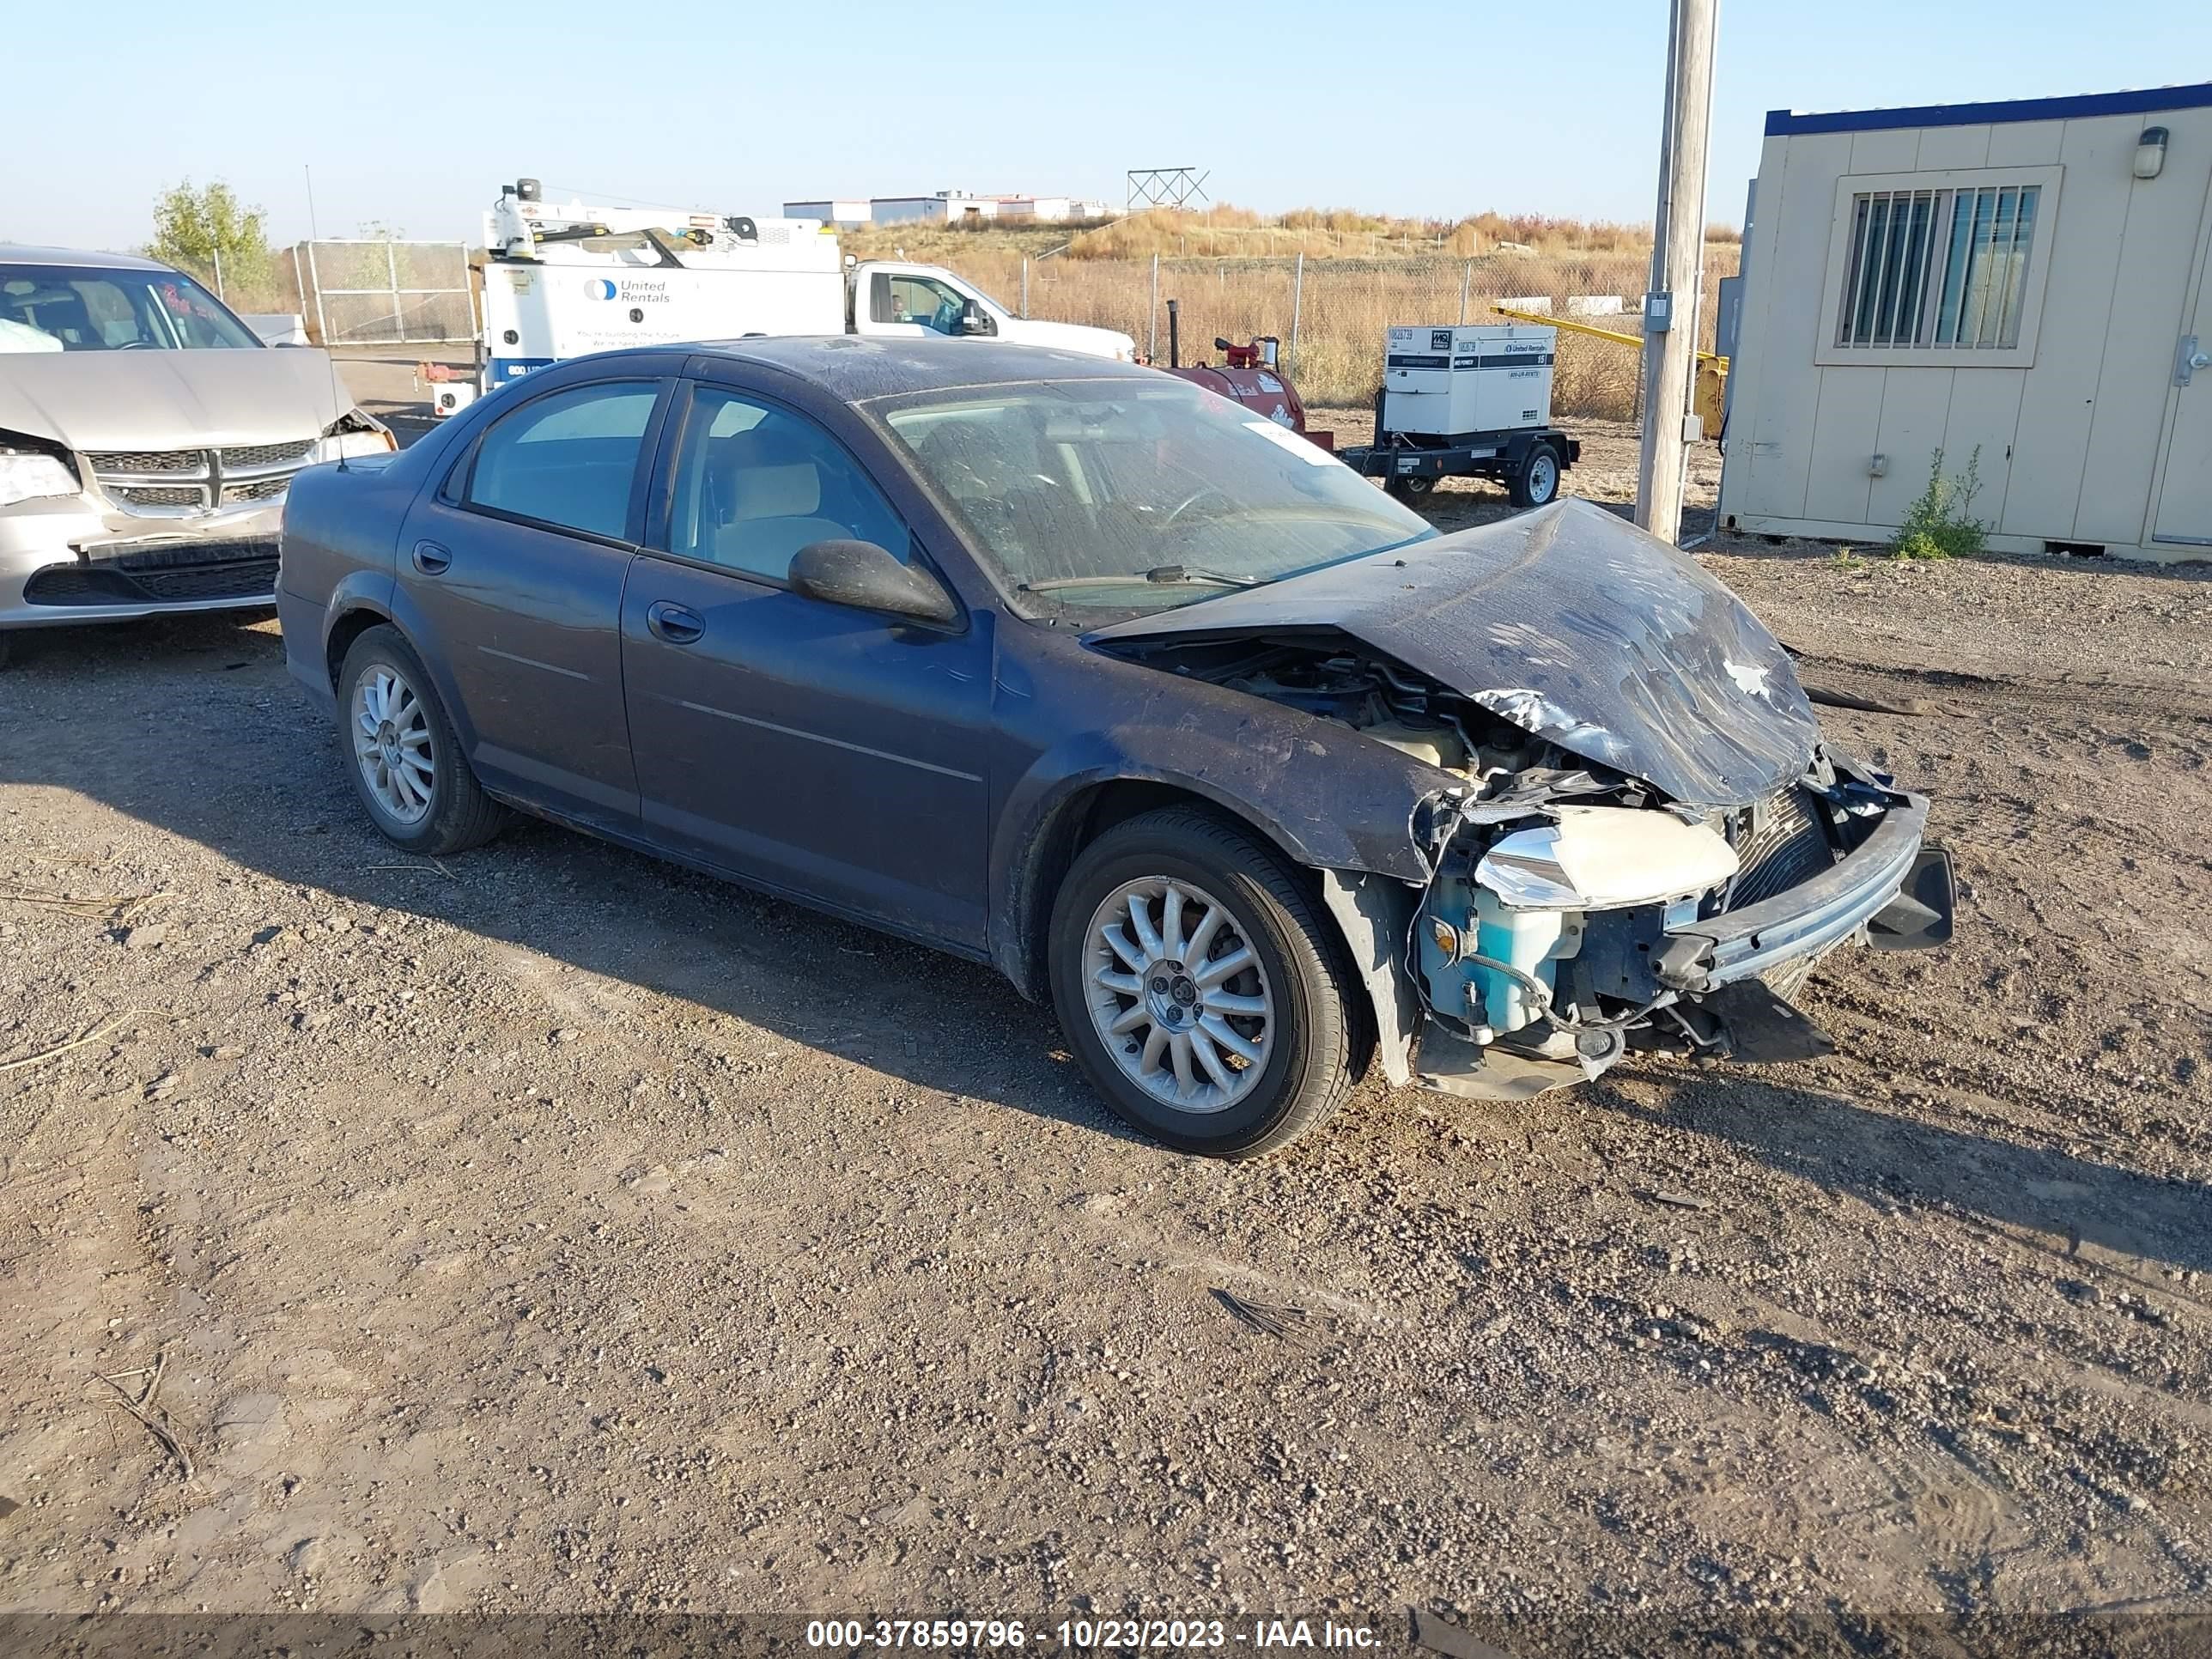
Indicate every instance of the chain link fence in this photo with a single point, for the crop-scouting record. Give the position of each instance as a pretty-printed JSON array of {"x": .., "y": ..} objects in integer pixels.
[
  {"x": 380, "y": 292},
  {"x": 367, "y": 292},
  {"x": 1331, "y": 314}
]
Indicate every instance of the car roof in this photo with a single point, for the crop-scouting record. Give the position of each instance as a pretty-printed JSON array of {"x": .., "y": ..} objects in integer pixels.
[
  {"x": 15, "y": 253},
  {"x": 857, "y": 368}
]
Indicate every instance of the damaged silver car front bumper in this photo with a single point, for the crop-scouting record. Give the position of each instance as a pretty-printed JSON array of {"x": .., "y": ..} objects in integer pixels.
[{"x": 69, "y": 561}]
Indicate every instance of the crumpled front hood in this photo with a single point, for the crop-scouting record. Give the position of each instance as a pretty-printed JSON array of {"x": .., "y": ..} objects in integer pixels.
[
  {"x": 106, "y": 400},
  {"x": 1569, "y": 622}
]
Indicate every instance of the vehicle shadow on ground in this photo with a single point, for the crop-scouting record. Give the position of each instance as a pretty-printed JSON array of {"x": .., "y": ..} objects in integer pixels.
[
  {"x": 192, "y": 724},
  {"x": 1843, "y": 1146}
]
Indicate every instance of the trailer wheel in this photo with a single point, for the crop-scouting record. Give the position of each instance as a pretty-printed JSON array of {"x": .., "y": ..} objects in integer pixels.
[
  {"x": 1410, "y": 486},
  {"x": 1536, "y": 482}
]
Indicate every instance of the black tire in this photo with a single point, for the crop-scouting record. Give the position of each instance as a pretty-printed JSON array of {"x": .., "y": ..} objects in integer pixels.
[
  {"x": 459, "y": 814},
  {"x": 1318, "y": 1043},
  {"x": 1535, "y": 482},
  {"x": 1411, "y": 486}
]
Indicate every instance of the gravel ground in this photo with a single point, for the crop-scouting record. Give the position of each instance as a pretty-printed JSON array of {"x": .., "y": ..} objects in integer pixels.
[{"x": 552, "y": 1231}]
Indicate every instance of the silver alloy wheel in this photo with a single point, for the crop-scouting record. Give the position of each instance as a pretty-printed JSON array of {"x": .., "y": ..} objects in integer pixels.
[
  {"x": 1177, "y": 994},
  {"x": 1543, "y": 477},
  {"x": 391, "y": 743}
]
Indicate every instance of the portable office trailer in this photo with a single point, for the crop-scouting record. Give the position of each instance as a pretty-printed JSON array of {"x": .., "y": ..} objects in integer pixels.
[{"x": 2025, "y": 279}]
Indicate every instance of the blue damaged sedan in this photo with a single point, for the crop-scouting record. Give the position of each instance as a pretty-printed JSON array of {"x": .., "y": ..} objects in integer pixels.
[{"x": 1075, "y": 668}]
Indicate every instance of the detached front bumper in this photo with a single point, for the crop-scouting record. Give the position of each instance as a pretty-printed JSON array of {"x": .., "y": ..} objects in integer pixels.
[
  {"x": 66, "y": 562},
  {"x": 1862, "y": 890}
]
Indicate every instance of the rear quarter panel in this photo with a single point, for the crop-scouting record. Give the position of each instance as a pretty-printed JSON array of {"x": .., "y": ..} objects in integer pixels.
[{"x": 335, "y": 555}]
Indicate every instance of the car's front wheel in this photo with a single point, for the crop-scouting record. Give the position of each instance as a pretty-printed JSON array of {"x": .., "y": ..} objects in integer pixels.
[
  {"x": 1199, "y": 988},
  {"x": 403, "y": 754}
]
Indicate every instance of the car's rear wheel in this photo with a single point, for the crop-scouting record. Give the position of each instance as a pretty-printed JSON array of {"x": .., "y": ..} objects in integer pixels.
[
  {"x": 1537, "y": 481},
  {"x": 1199, "y": 988},
  {"x": 403, "y": 754}
]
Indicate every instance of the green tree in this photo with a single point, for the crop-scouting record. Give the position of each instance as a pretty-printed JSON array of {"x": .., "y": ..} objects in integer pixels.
[{"x": 196, "y": 228}]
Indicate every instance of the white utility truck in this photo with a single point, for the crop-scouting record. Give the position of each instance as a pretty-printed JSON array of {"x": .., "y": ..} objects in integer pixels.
[
  {"x": 1467, "y": 401},
  {"x": 561, "y": 280}
]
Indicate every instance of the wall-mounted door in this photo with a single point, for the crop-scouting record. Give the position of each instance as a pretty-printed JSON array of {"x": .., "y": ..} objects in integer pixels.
[{"x": 2184, "y": 514}]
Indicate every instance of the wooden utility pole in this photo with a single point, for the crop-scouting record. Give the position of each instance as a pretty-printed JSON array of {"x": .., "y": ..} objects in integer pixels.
[{"x": 1678, "y": 261}]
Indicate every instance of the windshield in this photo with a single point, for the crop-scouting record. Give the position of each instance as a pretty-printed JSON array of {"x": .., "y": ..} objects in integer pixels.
[
  {"x": 89, "y": 308},
  {"x": 1136, "y": 495}
]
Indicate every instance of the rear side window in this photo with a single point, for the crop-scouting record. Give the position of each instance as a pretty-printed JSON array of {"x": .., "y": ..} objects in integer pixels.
[{"x": 568, "y": 459}]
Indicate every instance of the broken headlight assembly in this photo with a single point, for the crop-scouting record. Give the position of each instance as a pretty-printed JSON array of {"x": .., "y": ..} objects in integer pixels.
[
  {"x": 1493, "y": 934},
  {"x": 28, "y": 474},
  {"x": 352, "y": 437}
]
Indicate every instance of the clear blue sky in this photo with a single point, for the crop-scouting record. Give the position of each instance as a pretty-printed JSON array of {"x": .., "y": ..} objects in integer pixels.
[{"x": 412, "y": 114}]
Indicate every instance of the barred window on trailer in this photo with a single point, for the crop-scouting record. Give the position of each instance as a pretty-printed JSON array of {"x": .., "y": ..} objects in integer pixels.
[{"x": 1941, "y": 269}]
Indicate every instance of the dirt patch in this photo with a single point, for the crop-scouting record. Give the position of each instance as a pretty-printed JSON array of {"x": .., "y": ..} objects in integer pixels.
[{"x": 550, "y": 1230}]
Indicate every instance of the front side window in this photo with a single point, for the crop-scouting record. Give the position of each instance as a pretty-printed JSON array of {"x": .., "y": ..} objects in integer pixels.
[
  {"x": 1135, "y": 496},
  {"x": 568, "y": 459},
  {"x": 933, "y": 303},
  {"x": 1938, "y": 265},
  {"x": 89, "y": 309},
  {"x": 754, "y": 483}
]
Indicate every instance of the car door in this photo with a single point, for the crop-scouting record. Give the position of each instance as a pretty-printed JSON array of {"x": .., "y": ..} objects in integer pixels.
[
  {"x": 899, "y": 301},
  {"x": 512, "y": 575},
  {"x": 830, "y": 753}
]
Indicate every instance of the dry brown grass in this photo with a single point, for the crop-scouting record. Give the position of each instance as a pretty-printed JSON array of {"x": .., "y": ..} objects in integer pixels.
[
  {"x": 1345, "y": 308},
  {"x": 1228, "y": 232},
  {"x": 942, "y": 244},
  {"x": 1233, "y": 271}
]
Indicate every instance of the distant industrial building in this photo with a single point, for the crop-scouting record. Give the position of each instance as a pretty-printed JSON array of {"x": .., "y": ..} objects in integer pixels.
[
  {"x": 830, "y": 213},
  {"x": 947, "y": 207},
  {"x": 950, "y": 207},
  {"x": 1052, "y": 210}
]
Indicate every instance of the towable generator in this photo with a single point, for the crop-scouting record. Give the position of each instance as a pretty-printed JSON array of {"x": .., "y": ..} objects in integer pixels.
[{"x": 1467, "y": 401}]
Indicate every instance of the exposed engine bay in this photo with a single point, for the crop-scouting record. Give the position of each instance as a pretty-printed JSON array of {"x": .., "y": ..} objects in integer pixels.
[{"x": 1574, "y": 912}]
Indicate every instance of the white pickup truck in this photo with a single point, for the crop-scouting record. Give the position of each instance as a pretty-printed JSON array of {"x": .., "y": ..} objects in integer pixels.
[{"x": 562, "y": 279}]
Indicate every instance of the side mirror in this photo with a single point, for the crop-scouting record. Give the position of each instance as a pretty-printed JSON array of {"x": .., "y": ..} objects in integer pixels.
[
  {"x": 866, "y": 577},
  {"x": 974, "y": 319}
]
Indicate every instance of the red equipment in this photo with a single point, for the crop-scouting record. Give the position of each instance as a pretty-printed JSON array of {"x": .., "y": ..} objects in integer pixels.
[{"x": 1248, "y": 376}]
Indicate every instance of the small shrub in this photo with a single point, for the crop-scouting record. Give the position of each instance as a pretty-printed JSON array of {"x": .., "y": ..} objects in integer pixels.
[
  {"x": 1940, "y": 523},
  {"x": 1846, "y": 559}
]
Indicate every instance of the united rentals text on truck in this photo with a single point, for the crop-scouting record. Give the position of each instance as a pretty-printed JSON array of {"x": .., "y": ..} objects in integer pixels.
[{"x": 563, "y": 280}]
